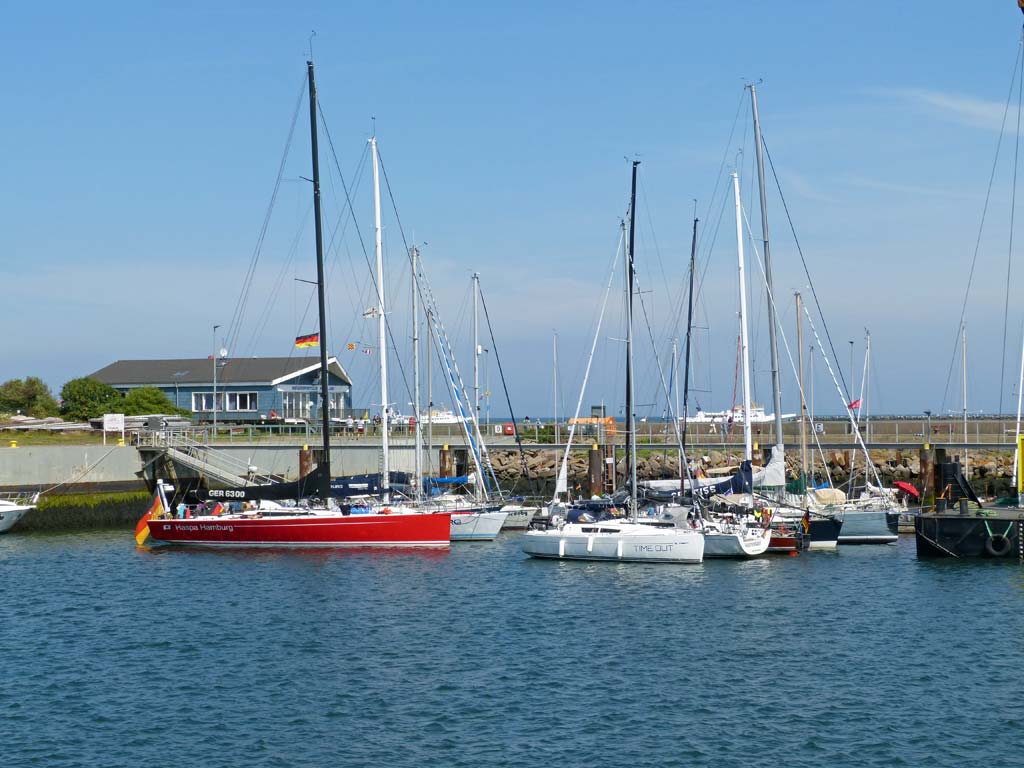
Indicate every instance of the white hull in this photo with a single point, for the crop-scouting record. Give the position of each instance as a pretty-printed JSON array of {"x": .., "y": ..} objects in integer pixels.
[
  {"x": 750, "y": 543},
  {"x": 519, "y": 517},
  {"x": 476, "y": 526},
  {"x": 11, "y": 514},
  {"x": 616, "y": 542}
]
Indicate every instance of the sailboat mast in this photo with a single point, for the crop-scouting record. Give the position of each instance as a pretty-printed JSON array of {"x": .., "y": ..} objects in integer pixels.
[
  {"x": 810, "y": 472},
  {"x": 416, "y": 426},
  {"x": 554, "y": 378},
  {"x": 803, "y": 400},
  {"x": 1016, "y": 434},
  {"x": 748, "y": 451},
  {"x": 385, "y": 480},
  {"x": 430, "y": 389},
  {"x": 963, "y": 360},
  {"x": 325, "y": 403},
  {"x": 772, "y": 342},
  {"x": 630, "y": 422},
  {"x": 476, "y": 345},
  {"x": 689, "y": 330}
]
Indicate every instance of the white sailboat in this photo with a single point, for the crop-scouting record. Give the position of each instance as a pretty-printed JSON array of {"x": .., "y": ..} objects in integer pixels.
[
  {"x": 743, "y": 532},
  {"x": 620, "y": 540}
]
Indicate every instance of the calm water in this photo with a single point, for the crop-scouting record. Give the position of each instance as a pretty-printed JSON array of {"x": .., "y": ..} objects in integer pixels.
[{"x": 112, "y": 656}]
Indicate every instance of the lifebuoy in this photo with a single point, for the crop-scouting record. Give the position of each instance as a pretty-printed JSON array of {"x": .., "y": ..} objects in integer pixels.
[{"x": 998, "y": 545}]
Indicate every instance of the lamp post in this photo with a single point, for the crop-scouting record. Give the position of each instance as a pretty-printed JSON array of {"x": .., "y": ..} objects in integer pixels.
[
  {"x": 177, "y": 376},
  {"x": 214, "y": 382},
  {"x": 928, "y": 415}
]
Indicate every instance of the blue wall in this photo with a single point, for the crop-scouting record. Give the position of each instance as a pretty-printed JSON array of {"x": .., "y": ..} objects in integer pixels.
[{"x": 269, "y": 398}]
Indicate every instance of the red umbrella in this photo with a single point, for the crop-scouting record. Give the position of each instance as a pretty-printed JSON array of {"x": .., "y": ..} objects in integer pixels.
[{"x": 900, "y": 485}]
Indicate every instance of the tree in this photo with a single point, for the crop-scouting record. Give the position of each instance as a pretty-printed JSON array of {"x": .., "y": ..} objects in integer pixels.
[
  {"x": 147, "y": 400},
  {"x": 87, "y": 398},
  {"x": 31, "y": 397}
]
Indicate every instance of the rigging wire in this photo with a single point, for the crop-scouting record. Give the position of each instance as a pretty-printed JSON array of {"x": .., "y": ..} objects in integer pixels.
[
  {"x": 807, "y": 271},
  {"x": 236, "y": 319},
  {"x": 512, "y": 416},
  {"x": 1009, "y": 254},
  {"x": 1017, "y": 64}
]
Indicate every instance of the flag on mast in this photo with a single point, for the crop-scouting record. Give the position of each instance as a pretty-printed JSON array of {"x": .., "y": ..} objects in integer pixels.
[
  {"x": 854, "y": 405},
  {"x": 309, "y": 340}
]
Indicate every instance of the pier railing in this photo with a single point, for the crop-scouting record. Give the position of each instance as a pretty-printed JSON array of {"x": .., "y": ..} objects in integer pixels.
[{"x": 831, "y": 435}]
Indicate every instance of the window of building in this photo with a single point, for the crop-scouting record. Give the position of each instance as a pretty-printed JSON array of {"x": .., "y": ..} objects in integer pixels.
[
  {"x": 296, "y": 405},
  {"x": 242, "y": 401},
  {"x": 203, "y": 401}
]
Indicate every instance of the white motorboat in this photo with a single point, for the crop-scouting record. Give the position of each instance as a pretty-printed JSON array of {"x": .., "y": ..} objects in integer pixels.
[{"x": 13, "y": 508}]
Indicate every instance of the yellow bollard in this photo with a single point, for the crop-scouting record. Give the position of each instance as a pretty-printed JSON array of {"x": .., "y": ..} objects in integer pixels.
[
  {"x": 120, "y": 442},
  {"x": 14, "y": 443}
]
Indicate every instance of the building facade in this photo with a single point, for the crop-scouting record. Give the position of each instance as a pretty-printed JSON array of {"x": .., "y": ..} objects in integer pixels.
[{"x": 252, "y": 390}]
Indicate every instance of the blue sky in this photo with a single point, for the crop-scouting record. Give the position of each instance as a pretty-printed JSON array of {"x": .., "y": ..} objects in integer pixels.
[{"x": 141, "y": 144}]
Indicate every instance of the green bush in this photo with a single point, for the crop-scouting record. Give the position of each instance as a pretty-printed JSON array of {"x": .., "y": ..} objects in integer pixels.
[
  {"x": 146, "y": 400},
  {"x": 29, "y": 396},
  {"x": 87, "y": 398}
]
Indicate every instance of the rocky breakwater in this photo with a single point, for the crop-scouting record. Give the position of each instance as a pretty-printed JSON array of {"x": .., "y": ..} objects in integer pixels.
[{"x": 990, "y": 471}]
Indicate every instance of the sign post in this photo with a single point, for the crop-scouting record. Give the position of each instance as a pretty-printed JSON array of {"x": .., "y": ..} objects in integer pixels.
[{"x": 113, "y": 422}]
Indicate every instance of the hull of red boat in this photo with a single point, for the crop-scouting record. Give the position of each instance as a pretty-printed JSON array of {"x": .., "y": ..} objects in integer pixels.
[{"x": 399, "y": 530}]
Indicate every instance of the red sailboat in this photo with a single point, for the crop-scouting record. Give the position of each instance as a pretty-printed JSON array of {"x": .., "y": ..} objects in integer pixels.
[{"x": 320, "y": 524}]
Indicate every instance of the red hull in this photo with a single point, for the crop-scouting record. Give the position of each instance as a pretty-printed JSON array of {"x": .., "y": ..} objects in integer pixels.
[
  {"x": 398, "y": 530},
  {"x": 780, "y": 543}
]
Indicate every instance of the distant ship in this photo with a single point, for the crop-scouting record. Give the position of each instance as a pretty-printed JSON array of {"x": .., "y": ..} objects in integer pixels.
[
  {"x": 735, "y": 416},
  {"x": 440, "y": 416}
]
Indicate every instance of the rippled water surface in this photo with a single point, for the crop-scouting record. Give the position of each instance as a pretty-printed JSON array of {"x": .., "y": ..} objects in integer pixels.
[{"x": 113, "y": 656}]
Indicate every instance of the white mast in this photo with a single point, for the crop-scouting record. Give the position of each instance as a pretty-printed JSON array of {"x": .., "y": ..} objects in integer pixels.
[
  {"x": 810, "y": 473},
  {"x": 381, "y": 328},
  {"x": 748, "y": 451},
  {"x": 554, "y": 376},
  {"x": 417, "y": 427},
  {"x": 1016, "y": 436},
  {"x": 963, "y": 356},
  {"x": 866, "y": 389},
  {"x": 476, "y": 346}
]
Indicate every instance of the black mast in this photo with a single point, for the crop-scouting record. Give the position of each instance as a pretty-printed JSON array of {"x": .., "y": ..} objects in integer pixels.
[
  {"x": 325, "y": 403},
  {"x": 689, "y": 328},
  {"x": 630, "y": 426}
]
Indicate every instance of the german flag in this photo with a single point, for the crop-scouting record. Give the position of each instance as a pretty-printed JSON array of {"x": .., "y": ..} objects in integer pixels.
[
  {"x": 156, "y": 509},
  {"x": 309, "y": 340}
]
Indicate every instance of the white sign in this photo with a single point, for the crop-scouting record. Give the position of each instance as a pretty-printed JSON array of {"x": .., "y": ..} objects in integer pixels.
[
  {"x": 113, "y": 422},
  {"x": 819, "y": 428},
  {"x": 497, "y": 429},
  {"x": 308, "y": 388}
]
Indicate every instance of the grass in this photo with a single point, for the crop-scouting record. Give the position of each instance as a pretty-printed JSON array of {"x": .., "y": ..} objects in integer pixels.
[{"x": 45, "y": 437}]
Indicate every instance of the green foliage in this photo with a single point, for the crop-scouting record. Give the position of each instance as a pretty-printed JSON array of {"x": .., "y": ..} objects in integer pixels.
[
  {"x": 147, "y": 400},
  {"x": 87, "y": 398},
  {"x": 29, "y": 396}
]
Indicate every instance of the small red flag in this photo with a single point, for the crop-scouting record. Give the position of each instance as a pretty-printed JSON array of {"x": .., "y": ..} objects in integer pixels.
[{"x": 854, "y": 405}]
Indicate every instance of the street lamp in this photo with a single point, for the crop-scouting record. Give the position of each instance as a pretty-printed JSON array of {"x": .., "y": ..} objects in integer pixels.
[
  {"x": 177, "y": 376},
  {"x": 928, "y": 414}
]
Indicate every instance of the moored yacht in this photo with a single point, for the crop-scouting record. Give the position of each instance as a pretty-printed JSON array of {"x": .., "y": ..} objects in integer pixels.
[{"x": 13, "y": 508}]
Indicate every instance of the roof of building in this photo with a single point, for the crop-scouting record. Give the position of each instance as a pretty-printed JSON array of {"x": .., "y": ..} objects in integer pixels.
[{"x": 255, "y": 370}]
